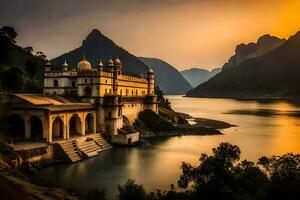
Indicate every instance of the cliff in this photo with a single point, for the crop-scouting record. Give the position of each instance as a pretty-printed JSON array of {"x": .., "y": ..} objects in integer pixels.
[{"x": 272, "y": 75}]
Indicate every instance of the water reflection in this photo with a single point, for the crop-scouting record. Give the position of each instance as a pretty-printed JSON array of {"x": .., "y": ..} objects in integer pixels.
[{"x": 263, "y": 128}]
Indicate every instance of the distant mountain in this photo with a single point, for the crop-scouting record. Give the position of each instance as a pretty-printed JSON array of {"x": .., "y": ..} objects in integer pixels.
[
  {"x": 244, "y": 52},
  {"x": 196, "y": 76},
  {"x": 168, "y": 78},
  {"x": 274, "y": 74},
  {"x": 96, "y": 46}
]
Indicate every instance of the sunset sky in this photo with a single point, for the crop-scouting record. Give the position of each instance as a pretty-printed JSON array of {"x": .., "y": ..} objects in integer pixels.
[{"x": 185, "y": 33}]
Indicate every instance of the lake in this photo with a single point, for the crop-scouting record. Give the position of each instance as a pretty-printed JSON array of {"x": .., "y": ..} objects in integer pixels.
[{"x": 262, "y": 128}]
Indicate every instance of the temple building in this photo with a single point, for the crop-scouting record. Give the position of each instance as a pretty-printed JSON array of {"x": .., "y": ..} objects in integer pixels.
[{"x": 82, "y": 101}]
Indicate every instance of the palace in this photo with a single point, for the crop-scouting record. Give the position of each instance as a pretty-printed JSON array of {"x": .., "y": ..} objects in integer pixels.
[{"x": 82, "y": 101}]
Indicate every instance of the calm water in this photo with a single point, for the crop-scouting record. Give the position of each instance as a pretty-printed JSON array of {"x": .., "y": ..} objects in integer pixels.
[{"x": 263, "y": 128}]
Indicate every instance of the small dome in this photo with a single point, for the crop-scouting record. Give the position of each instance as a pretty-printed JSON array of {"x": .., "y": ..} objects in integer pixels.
[
  {"x": 100, "y": 63},
  {"x": 110, "y": 62},
  {"x": 84, "y": 65},
  {"x": 65, "y": 64},
  {"x": 117, "y": 61},
  {"x": 150, "y": 70}
]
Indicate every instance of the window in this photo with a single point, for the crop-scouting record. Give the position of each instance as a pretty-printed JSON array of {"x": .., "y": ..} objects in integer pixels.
[
  {"x": 87, "y": 92},
  {"x": 85, "y": 80},
  {"x": 73, "y": 84},
  {"x": 105, "y": 81},
  {"x": 120, "y": 92},
  {"x": 136, "y": 92},
  {"x": 55, "y": 83},
  {"x": 105, "y": 91},
  {"x": 119, "y": 72},
  {"x": 91, "y": 80},
  {"x": 126, "y": 92}
]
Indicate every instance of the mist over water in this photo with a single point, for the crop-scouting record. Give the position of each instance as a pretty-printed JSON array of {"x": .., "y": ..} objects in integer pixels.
[{"x": 263, "y": 128}]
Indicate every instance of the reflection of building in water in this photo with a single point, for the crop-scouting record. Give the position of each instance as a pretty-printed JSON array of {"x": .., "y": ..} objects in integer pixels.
[{"x": 83, "y": 101}]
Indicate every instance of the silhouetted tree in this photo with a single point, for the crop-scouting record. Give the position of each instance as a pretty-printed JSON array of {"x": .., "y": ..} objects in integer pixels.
[
  {"x": 31, "y": 67},
  {"x": 9, "y": 32},
  {"x": 28, "y": 49},
  {"x": 131, "y": 191}
]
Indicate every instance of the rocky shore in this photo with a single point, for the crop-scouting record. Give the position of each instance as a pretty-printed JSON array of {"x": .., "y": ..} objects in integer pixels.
[{"x": 170, "y": 123}]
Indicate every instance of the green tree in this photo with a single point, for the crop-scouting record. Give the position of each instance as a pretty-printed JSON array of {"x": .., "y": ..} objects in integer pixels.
[{"x": 9, "y": 32}]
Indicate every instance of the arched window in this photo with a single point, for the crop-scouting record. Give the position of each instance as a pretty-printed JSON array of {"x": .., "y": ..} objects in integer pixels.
[{"x": 55, "y": 83}]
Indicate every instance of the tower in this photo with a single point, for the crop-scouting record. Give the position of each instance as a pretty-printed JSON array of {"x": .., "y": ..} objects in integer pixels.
[
  {"x": 100, "y": 66},
  {"x": 48, "y": 66},
  {"x": 65, "y": 66},
  {"x": 150, "y": 78}
]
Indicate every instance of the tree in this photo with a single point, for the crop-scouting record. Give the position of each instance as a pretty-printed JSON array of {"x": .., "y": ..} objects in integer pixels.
[
  {"x": 31, "y": 67},
  {"x": 28, "y": 49},
  {"x": 131, "y": 191},
  {"x": 41, "y": 55},
  {"x": 12, "y": 79},
  {"x": 9, "y": 32}
]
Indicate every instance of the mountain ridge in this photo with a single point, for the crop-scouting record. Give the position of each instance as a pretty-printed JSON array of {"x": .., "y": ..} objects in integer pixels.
[
  {"x": 176, "y": 84},
  {"x": 272, "y": 75}
]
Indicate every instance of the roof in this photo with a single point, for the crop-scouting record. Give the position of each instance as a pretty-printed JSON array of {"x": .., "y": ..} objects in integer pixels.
[{"x": 48, "y": 102}]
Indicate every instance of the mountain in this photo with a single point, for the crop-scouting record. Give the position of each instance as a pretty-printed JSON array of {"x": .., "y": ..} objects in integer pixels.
[
  {"x": 274, "y": 74},
  {"x": 196, "y": 76},
  {"x": 168, "y": 78},
  {"x": 244, "y": 52},
  {"x": 97, "y": 46}
]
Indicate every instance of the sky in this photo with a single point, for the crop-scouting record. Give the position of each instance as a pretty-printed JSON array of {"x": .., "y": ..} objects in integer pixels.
[{"x": 185, "y": 33}]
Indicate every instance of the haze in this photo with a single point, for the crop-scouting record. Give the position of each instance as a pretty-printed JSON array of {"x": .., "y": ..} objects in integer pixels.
[{"x": 185, "y": 33}]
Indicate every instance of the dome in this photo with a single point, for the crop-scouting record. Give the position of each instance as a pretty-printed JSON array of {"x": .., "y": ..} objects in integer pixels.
[
  {"x": 117, "y": 61},
  {"x": 110, "y": 62},
  {"x": 84, "y": 65},
  {"x": 100, "y": 63},
  {"x": 65, "y": 64},
  {"x": 150, "y": 70}
]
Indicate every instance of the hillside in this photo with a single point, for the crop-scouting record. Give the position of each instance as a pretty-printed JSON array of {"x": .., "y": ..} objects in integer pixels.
[
  {"x": 272, "y": 75},
  {"x": 196, "y": 76},
  {"x": 20, "y": 70},
  {"x": 168, "y": 78}
]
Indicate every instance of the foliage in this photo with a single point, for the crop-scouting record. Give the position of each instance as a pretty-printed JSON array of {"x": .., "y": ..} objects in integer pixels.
[
  {"x": 96, "y": 194},
  {"x": 222, "y": 176},
  {"x": 131, "y": 191},
  {"x": 153, "y": 121},
  {"x": 164, "y": 102},
  {"x": 9, "y": 32},
  {"x": 20, "y": 71}
]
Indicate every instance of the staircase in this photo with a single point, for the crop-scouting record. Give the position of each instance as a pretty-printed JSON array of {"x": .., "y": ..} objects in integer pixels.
[
  {"x": 71, "y": 150},
  {"x": 85, "y": 147},
  {"x": 89, "y": 148},
  {"x": 99, "y": 140}
]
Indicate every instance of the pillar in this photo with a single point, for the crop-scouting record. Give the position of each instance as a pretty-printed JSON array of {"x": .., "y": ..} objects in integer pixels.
[{"x": 27, "y": 126}]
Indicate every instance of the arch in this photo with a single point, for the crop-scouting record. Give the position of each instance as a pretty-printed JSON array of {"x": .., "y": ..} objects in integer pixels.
[
  {"x": 16, "y": 127},
  {"x": 75, "y": 125},
  {"x": 58, "y": 128},
  {"x": 89, "y": 123},
  {"x": 36, "y": 128},
  {"x": 87, "y": 92},
  {"x": 55, "y": 83}
]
